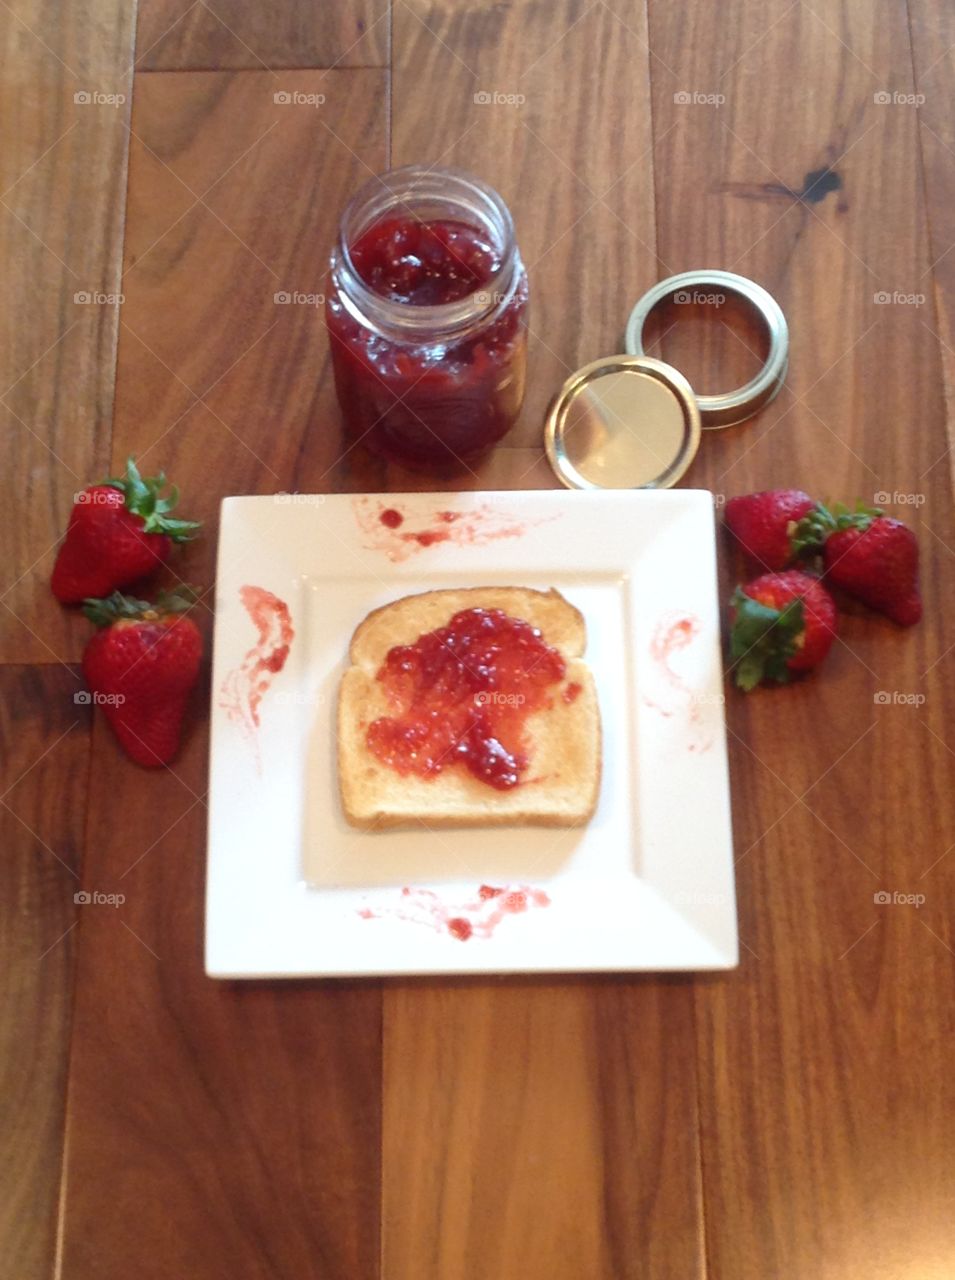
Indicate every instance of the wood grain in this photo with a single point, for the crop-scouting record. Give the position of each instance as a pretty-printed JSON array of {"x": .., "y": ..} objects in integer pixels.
[
  {"x": 933, "y": 58},
  {"x": 213, "y": 1129},
  {"x": 44, "y": 739},
  {"x": 62, "y": 182},
  {"x": 193, "y": 35},
  {"x": 826, "y": 1107},
  {"x": 540, "y": 1129},
  {"x": 219, "y": 384},
  {"x": 521, "y": 1136},
  {"x": 242, "y": 1121}
]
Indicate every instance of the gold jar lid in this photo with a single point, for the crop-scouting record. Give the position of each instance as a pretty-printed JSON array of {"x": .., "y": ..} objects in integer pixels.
[{"x": 624, "y": 422}]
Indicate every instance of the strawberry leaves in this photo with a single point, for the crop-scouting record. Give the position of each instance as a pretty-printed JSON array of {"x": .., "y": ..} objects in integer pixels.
[
  {"x": 764, "y": 639},
  {"x": 812, "y": 531},
  {"x": 143, "y": 496},
  {"x": 115, "y": 607}
]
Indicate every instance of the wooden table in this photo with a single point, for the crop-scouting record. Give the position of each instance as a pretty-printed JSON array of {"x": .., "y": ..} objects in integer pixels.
[{"x": 789, "y": 1121}]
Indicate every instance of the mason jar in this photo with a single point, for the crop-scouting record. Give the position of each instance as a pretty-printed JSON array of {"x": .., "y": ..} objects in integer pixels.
[{"x": 427, "y": 318}]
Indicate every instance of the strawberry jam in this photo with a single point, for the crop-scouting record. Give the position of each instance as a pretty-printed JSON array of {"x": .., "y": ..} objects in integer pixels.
[
  {"x": 426, "y": 316},
  {"x": 461, "y": 695},
  {"x": 424, "y": 264}
]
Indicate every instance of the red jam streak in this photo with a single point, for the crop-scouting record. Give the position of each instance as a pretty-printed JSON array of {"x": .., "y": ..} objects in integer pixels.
[
  {"x": 477, "y": 918},
  {"x": 673, "y": 695},
  {"x": 386, "y": 529},
  {"x": 669, "y": 638},
  {"x": 572, "y": 692},
  {"x": 461, "y": 696},
  {"x": 244, "y": 688},
  {"x": 430, "y": 400}
]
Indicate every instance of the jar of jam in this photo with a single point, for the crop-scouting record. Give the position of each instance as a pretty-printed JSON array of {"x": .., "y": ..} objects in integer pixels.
[{"x": 427, "y": 318}]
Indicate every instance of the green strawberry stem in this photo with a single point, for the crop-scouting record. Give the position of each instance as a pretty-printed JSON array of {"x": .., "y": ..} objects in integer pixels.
[
  {"x": 143, "y": 499},
  {"x": 818, "y": 524},
  {"x": 103, "y": 613},
  {"x": 763, "y": 639}
]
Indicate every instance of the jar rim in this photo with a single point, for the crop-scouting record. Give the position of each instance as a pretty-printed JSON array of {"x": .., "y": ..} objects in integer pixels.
[{"x": 401, "y": 188}]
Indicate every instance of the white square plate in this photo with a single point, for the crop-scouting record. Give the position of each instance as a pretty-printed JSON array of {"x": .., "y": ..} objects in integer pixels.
[{"x": 646, "y": 885}]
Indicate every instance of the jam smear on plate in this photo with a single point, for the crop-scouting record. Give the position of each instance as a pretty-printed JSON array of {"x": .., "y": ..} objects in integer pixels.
[
  {"x": 479, "y": 917},
  {"x": 462, "y": 694}
]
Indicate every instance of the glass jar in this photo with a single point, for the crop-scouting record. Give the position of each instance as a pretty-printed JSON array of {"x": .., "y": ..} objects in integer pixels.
[{"x": 427, "y": 318}]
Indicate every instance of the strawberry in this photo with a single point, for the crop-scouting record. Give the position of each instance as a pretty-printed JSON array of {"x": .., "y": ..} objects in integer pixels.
[
  {"x": 140, "y": 668},
  {"x": 781, "y": 623},
  {"x": 870, "y": 555},
  {"x": 765, "y": 524},
  {"x": 119, "y": 531}
]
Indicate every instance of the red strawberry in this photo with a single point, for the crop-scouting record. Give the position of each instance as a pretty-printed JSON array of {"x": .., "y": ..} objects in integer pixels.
[
  {"x": 872, "y": 556},
  {"x": 782, "y": 623},
  {"x": 765, "y": 524},
  {"x": 140, "y": 669},
  {"x": 119, "y": 531}
]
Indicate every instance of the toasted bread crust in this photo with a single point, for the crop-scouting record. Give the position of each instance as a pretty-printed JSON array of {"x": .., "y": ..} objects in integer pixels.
[{"x": 563, "y": 786}]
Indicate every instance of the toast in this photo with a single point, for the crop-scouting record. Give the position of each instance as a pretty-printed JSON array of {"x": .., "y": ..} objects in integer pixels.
[{"x": 560, "y": 784}]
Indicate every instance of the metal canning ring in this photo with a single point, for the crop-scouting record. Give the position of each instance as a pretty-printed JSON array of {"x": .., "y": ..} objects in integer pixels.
[{"x": 733, "y": 406}]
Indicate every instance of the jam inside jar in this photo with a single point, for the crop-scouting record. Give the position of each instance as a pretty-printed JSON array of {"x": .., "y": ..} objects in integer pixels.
[{"x": 427, "y": 318}]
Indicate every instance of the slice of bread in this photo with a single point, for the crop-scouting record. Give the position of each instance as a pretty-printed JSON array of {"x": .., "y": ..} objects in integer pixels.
[{"x": 562, "y": 780}]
